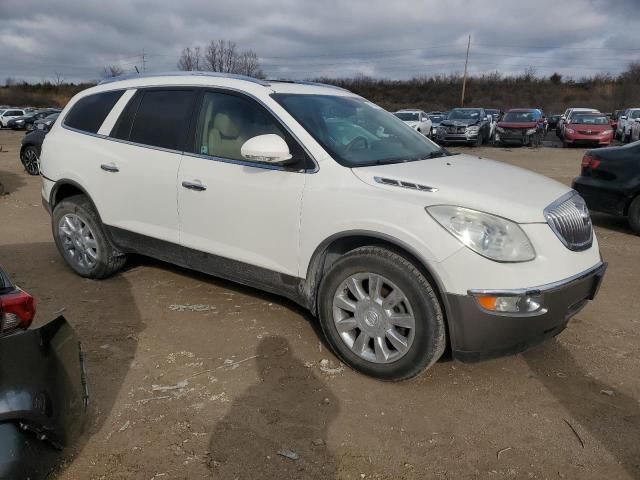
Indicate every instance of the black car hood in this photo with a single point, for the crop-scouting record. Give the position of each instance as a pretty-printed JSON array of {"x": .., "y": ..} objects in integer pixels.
[{"x": 460, "y": 122}]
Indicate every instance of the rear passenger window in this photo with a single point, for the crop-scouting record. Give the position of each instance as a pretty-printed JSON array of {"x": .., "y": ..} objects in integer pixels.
[
  {"x": 89, "y": 112},
  {"x": 162, "y": 118}
]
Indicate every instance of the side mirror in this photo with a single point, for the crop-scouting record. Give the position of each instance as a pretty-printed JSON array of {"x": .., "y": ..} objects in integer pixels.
[
  {"x": 622, "y": 117},
  {"x": 270, "y": 148}
]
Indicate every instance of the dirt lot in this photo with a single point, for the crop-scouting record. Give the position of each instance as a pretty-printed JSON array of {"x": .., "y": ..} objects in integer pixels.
[{"x": 253, "y": 382}]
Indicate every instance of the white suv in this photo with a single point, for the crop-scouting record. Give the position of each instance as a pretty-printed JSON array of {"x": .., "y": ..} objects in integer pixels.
[
  {"x": 416, "y": 119},
  {"x": 8, "y": 114},
  {"x": 400, "y": 248},
  {"x": 626, "y": 121}
]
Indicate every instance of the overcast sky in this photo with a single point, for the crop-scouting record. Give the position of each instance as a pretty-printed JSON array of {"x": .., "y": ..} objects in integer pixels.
[{"x": 310, "y": 39}]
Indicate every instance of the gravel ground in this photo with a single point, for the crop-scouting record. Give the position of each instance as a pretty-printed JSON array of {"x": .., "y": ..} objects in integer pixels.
[{"x": 195, "y": 377}]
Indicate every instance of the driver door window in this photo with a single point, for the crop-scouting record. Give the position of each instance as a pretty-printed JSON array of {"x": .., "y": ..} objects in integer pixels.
[{"x": 226, "y": 122}]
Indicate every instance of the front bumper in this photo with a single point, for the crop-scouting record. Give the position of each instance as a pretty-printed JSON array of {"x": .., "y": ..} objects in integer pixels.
[
  {"x": 458, "y": 138},
  {"x": 579, "y": 139},
  {"x": 479, "y": 334}
]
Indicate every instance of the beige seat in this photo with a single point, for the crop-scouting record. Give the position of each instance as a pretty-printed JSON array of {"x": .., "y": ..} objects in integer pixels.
[{"x": 225, "y": 139}]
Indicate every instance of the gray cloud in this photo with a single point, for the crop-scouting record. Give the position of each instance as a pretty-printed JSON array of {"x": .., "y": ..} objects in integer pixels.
[{"x": 393, "y": 39}]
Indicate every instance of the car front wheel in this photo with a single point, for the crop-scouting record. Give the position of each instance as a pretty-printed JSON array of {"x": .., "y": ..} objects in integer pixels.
[
  {"x": 81, "y": 239},
  {"x": 381, "y": 315},
  {"x": 30, "y": 158}
]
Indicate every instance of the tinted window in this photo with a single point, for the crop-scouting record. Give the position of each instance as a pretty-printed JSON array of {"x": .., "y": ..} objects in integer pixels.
[
  {"x": 162, "y": 118},
  {"x": 226, "y": 121},
  {"x": 89, "y": 112}
]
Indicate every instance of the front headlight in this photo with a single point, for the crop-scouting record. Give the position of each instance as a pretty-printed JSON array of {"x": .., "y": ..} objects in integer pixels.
[
  {"x": 473, "y": 129},
  {"x": 493, "y": 237},
  {"x": 531, "y": 131},
  {"x": 570, "y": 130}
]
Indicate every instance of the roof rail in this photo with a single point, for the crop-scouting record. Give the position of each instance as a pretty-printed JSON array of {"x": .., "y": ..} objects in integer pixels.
[
  {"x": 130, "y": 76},
  {"x": 306, "y": 82}
]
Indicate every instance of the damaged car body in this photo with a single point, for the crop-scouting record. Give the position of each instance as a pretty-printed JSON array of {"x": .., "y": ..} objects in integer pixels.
[{"x": 43, "y": 393}]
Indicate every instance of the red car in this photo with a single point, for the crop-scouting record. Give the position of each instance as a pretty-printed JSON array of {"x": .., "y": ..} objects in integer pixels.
[
  {"x": 520, "y": 126},
  {"x": 588, "y": 129}
]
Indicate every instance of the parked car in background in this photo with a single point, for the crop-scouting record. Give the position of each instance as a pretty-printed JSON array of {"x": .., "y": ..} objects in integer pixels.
[
  {"x": 552, "y": 120},
  {"x": 416, "y": 119},
  {"x": 587, "y": 129},
  {"x": 520, "y": 126},
  {"x": 29, "y": 124},
  {"x": 9, "y": 114},
  {"x": 43, "y": 393},
  {"x": 566, "y": 117},
  {"x": 613, "y": 119},
  {"x": 610, "y": 182},
  {"x": 465, "y": 125},
  {"x": 46, "y": 123},
  {"x": 496, "y": 114},
  {"x": 436, "y": 118},
  {"x": 625, "y": 121},
  {"x": 635, "y": 131},
  {"x": 31, "y": 149},
  {"x": 492, "y": 250}
]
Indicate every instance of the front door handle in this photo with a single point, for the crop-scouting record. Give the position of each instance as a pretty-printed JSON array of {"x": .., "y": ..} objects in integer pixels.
[
  {"x": 110, "y": 167},
  {"x": 197, "y": 186}
]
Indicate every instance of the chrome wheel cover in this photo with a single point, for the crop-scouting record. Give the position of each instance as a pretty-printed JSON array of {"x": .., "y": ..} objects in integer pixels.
[
  {"x": 373, "y": 318},
  {"x": 78, "y": 241}
]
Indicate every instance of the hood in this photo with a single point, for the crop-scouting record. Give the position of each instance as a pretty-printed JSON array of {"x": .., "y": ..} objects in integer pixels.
[
  {"x": 460, "y": 122},
  {"x": 473, "y": 182},
  {"x": 411, "y": 123},
  {"x": 517, "y": 124},
  {"x": 594, "y": 128}
]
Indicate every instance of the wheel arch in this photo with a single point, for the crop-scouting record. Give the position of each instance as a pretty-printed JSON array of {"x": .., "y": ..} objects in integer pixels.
[
  {"x": 66, "y": 188},
  {"x": 338, "y": 244}
]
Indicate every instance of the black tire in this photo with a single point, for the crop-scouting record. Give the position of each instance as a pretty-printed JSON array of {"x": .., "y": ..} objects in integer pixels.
[
  {"x": 626, "y": 137},
  {"x": 30, "y": 158},
  {"x": 633, "y": 215},
  {"x": 108, "y": 258},
  {"x": 429, "y": 339}
]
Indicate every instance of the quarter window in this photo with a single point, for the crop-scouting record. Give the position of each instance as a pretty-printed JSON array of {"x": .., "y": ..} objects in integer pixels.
[
  {"x": 162, "y": 118},
  {"x": 226, "y": 121},
  {"x": 89, "y": 112}
]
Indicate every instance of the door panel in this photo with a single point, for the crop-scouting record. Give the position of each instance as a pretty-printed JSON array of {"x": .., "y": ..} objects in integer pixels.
[
  {"x": 232, "y": 208},
  {"x": 141, "y": 195}
]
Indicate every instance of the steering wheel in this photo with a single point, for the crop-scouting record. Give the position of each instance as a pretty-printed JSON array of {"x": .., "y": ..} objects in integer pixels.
[{"x": 359, "y": 139}]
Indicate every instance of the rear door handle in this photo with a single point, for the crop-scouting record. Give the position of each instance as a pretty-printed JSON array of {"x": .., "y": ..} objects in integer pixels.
[
  {"x": 110, "y": 167},
  {"x": 197, "y": 186}
]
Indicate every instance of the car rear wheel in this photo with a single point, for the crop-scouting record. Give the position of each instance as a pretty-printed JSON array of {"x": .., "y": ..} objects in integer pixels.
[
  {"x": 30, "y": 158},
  {"x": 381, "y": 315},
  {"x": 633, "y": 215},
  {"x": 81, "y": 239}
]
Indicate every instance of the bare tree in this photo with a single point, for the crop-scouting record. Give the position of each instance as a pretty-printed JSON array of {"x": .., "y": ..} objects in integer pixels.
[
  {"x": 221, "y": 56},
  {"x": 59, "y": 79},
  {"x": 10, "y": 81},
  {"x": 190, "y": 59},
  {"x": 112, "y": 71}
]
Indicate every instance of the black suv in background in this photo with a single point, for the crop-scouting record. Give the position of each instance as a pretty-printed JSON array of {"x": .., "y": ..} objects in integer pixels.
[{"x": 465, "y": 125}]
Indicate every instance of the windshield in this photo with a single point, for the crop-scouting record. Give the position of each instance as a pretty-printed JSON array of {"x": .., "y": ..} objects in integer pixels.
[
  {"x": 356, "y": 132},
  {"x": 408, "y": 116},
  {"x": 591, "y": 120},
  {"x": 634, "y": 114},
  {"x": 521, "y": 117},
  {"x": 464, "y": 114}
]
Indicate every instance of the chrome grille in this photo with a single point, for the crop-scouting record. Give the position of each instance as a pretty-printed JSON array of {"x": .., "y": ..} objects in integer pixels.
[{"x": 569, "y": 219}]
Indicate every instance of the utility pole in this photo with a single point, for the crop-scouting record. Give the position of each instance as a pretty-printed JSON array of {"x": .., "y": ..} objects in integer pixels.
[
  {"x": 464, "y": 80},
  {"x": 144, "y": 62}
]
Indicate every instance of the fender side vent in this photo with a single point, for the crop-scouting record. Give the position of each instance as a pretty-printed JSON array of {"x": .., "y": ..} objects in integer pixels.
[{"x": 402, "y": 184}]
